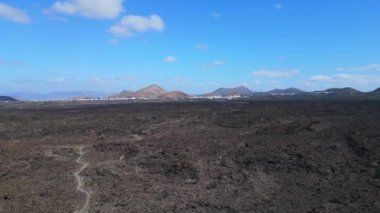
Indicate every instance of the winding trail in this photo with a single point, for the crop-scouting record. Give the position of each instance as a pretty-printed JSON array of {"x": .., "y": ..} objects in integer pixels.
[{"x": 80, "y": 181}]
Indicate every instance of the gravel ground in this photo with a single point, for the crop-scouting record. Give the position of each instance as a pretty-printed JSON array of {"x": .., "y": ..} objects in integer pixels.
[{"x": 238, "y": 156}]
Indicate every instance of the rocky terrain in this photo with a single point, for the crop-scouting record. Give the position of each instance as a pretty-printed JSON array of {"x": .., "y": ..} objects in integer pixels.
[{"x": 237, "y": 156}]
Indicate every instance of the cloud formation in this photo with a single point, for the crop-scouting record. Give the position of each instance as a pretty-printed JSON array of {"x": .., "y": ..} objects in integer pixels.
[
  {"x": 131, "y": 25},
  {"x": 215, "y": 15},
  {"x": 278, "y": 6},
  {"x": 275, "y": 73},
  {"x": 96, "y": 9},
  {"x": 203, "y": 47},
  {"x": 11, "y": 63},
  {"x": 370, "y": 67},
  {"x": 346, "y": 78},
  {"x": 14, "y": 14},
  {"x": 215, "y": 64},
  {"x": 170, "y": 59}
]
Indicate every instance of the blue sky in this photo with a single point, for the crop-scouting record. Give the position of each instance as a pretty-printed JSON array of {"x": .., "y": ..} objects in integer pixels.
[{"x": 195, "y": 46}]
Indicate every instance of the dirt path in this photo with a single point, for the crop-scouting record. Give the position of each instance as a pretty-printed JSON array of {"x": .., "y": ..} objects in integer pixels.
[{"x": 80, "y": 181}]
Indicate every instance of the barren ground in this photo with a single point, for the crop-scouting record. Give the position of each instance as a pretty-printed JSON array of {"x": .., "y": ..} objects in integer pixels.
[{"x": 236, "y": 156}]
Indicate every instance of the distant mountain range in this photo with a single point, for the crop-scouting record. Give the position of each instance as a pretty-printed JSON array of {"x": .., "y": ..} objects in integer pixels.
[
  {"x": 7, "y": 99},
  {"x": 26, "y": 96},
  {"x": 243, "y": 91},
  {"x": 157, "y": 92},
  {"x": 374, "y": 94},
  {"x": 289, "y": 91},
  {"x": 339, "y": 93}
]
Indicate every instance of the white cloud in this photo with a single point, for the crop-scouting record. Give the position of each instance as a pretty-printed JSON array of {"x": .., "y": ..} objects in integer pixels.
[
  {"x": 208, "y": 84},
  {"x": 216, "y": 15},
  {"x": 203, "y": 47},
  {"x": 14, "y": 14},
  {"x": 56, "y": 80},
  {"x": 131, "y": 25},
  {"x": 180, "y": 81},
  {"x": 11, "y": 63},
  {"x": 170, "y": 59},
  {"x": 97, "y": 9},
  {"x": 113, "y": 41},
  {"x": 370, "y": 67},
  {"x": 321, "y": 78},
  {"x": 215, "y": 64},
  {"x": 346, "y": 78},
  {"x": 278, "y": 6},
  {"x": 56, "y": 18},
  {"x": 275, "y": 73},
  {"x": 109, "y": 80}
]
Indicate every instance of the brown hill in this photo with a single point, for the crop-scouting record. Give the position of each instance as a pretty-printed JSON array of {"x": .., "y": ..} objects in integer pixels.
[
  {"x": 151, "y": 91},
  {"x": 231, "y": 91},
  {"x": 123, "y": 94},
  {"x": 174, "y": 95}
]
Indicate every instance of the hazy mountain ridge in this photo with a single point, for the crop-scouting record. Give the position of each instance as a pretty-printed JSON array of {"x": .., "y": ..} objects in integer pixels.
[
  {"x": 339, "y": 93},
  {"x": 243, "y": 91},
  {"x": 157, "y": 92},
  {"x": 122, "y": 94},
  {"x": 347, "y": 91},
  {"x": 375, "y": 94},
  {"x": 288, "y": 91},
  {"x": 7, "y": 99},
  {"x": 26, "y": 96}
]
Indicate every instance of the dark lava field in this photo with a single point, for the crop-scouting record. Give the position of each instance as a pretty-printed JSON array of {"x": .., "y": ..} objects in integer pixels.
[{"x": 237, "y": 156}]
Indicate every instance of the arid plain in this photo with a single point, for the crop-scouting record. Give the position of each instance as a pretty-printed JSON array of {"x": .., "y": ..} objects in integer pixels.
[{"x": 222, "y": 156}]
